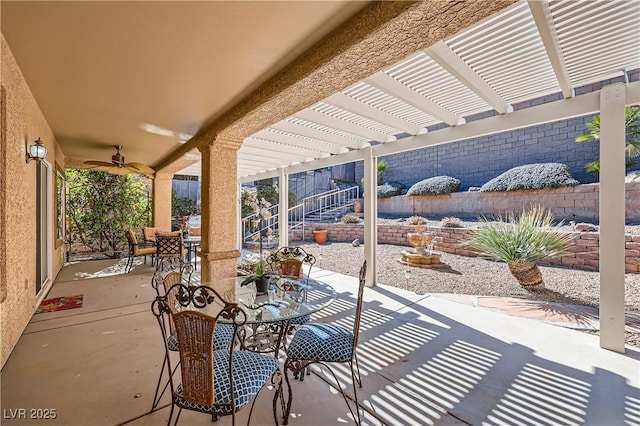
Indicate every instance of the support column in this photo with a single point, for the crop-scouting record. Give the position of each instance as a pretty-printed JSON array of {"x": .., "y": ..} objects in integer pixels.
[
  {"x": 612, "y": 216},
  {"x": 283, "y": 215},
  {"x": 219, "y": 245},
  {"x": 370, "y": 216},
  {"x": 162, "y": 200}
]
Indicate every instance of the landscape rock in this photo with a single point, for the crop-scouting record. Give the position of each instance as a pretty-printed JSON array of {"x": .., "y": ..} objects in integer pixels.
[
  {"x": 435, "y": 185},
  {"x": 532, "y": 176}
]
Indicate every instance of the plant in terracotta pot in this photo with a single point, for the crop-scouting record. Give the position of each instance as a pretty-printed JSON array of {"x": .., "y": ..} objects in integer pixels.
[{"x": 520, "y": 241}]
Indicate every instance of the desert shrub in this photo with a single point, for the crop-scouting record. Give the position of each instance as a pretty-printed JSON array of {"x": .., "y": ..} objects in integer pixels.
[
  {"x": 416, "y": 220},
  {"x": 451, "y": 222},
  {"x": 435, "y": 185},
  {"x": 350, "y": 218},
  {"x": 390, "y": 189},
  {"x": 532, "y": 176}
]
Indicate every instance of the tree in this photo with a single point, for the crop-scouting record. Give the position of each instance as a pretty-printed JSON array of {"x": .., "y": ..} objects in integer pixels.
[
  {"x": 101, "y": 206},
  {"x": 381, "y": 167},
  {"x": 632, "y": 143}
]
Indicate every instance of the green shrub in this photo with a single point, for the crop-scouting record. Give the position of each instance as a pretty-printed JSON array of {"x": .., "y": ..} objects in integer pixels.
[
  {"x": 525, "y": 238},
  {"x": 532, "y": 176},
  {"x": 390, "y": 189},
  {"x": 435, "y": 185}
]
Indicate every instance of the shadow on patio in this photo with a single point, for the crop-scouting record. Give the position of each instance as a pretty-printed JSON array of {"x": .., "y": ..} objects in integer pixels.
[{"x": 424, "y": 360}]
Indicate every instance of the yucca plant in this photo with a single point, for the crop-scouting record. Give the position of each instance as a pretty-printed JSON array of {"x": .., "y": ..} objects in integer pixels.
[{"x": 520, "y": 241}]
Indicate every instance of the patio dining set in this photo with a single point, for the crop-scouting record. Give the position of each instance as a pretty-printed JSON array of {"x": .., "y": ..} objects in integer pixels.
[
  {"x": 227, "y": 340},
  {"x": 164, "y": 248}
]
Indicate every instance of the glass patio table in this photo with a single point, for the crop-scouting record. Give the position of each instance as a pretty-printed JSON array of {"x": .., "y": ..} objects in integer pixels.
[{"x": 269, "y": 315}]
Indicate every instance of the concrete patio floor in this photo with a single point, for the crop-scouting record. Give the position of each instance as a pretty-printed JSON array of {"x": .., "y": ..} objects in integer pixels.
[{"x": 424, "y": 359}]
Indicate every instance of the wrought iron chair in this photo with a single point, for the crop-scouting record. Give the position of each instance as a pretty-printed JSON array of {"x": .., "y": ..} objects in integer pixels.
[
  {"x": 323, "y": 344},
  {"x": 170, "y": 250},
  {"x": 289, "y": 262},
  {"x": 137, "y": 249},
  {"x": 218, "y": 382},
  {"x": 222, "y": 338}
]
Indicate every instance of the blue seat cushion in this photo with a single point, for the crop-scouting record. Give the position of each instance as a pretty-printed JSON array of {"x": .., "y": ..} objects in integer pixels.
[
  {"x": 301, "y": 320},
  {"x": 221, "y": 338},
  {"x": 251, "y": 371},
  {"x": 321, "y": 342}
]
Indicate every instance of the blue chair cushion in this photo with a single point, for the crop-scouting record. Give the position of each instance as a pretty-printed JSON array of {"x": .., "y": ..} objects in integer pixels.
[
  {"x": 301, "y": 320},
  {"x": 221, "y": 338},
  {"x": 321, "y": 342},
  {"x": 251, "y": 371}
]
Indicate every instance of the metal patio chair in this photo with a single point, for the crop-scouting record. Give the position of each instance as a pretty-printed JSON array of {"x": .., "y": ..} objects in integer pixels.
[
  {"x": 217, "y": 382},
  {"x": 324, "y": 344}
]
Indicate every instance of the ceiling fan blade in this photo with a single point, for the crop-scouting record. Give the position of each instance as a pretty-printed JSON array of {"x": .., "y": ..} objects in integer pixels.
[
  {"x": 140, "y": 168},
  {"x": 118, "y": 170},
  {"x": 99, "y": 163}
]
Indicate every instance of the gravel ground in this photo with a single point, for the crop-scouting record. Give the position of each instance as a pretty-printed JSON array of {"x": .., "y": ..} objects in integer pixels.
[
  {"x": 475, "y": 276},
  {"x": 471, "y": 275}
]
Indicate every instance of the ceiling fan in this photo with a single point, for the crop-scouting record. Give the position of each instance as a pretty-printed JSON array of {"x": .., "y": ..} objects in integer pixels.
[{"x": 117, "y": 166}]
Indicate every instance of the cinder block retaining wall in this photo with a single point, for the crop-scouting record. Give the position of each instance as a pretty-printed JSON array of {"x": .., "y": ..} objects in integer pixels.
[
  {"x": 584, "y": 249},
  {"x": 578, "y": 203}
]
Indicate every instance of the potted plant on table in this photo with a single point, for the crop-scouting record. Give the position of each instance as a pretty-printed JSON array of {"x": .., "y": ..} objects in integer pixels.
[{"x": 520, "y": 241}]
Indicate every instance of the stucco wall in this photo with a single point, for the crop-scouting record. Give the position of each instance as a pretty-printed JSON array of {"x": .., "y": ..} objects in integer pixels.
[
  {"x": 578, "y": 203},
  {"x": 24, "y": 124}
]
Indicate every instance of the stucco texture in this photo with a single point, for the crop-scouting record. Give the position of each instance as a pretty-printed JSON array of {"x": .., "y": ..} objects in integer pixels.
[{"x": 24, "y": 123}]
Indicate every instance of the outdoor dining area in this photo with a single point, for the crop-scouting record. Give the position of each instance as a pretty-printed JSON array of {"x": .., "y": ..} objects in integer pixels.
[{"x": 386, "y": 356}]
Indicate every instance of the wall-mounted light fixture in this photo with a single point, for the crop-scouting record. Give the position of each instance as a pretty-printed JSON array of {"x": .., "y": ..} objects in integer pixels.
[{"x": 36, "y": 151}]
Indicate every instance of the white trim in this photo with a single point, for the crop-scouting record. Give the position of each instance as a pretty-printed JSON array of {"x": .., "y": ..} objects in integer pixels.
[
  {"x": 541, "y": 13},
  {"x": 390, "y": 85},
  {"x": 450, "y": 61},
  {"x": 612, "y": 216},
  {"x": 283, "y": 220},
  {"x": 370, "y": 216}
]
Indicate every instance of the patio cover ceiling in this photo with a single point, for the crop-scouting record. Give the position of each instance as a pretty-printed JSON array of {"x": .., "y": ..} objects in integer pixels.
[
  {"x": 147, "y": 75},
  {"x": 527, "y": 51}
]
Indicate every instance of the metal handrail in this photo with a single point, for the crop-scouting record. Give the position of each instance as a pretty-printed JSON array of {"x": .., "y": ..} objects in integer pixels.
[{"x": 320, "y": 204}]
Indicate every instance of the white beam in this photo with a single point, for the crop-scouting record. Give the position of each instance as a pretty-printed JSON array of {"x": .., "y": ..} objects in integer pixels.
[
  {"x": 239, "y": 218},
  {"x": 343, "y": 125},
  {"x": 370, "y": 216},
  {"x": 309, "y": 132},
  {"x": 393, "y": 87},
  {"x": 555, "y": 111},
  {"x": 334, "y": 160},
  {"x": 450, "y": 61},
  {"x": 352, "y": 105},
  {"x": 279, "y": 146},
  {"x": 299, "y": 142},
  {"x": 283, "y": 215},
  {"x": 250, "y": 150},
  {"x": 560, "y": 110},
  {"x": 541, "y": 12},
  {"x": 612, "y": 216}
]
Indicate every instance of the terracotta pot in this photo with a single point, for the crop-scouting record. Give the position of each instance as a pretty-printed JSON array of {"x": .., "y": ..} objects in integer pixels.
[
  {"x": 320, "y": 236},
  {"x": 357, "y": 206}
]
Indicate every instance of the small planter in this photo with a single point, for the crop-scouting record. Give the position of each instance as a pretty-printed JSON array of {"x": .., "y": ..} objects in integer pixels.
[
  {"x": 320, "y": 236},
  {"x": 262, "y": 284},
  {"x": 357, "y": 206}
]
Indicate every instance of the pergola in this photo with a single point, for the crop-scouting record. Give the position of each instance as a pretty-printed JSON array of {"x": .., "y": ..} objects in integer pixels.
[
  {"x": 482, "y": 80},
  {"x": 384, "y": 77}
]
